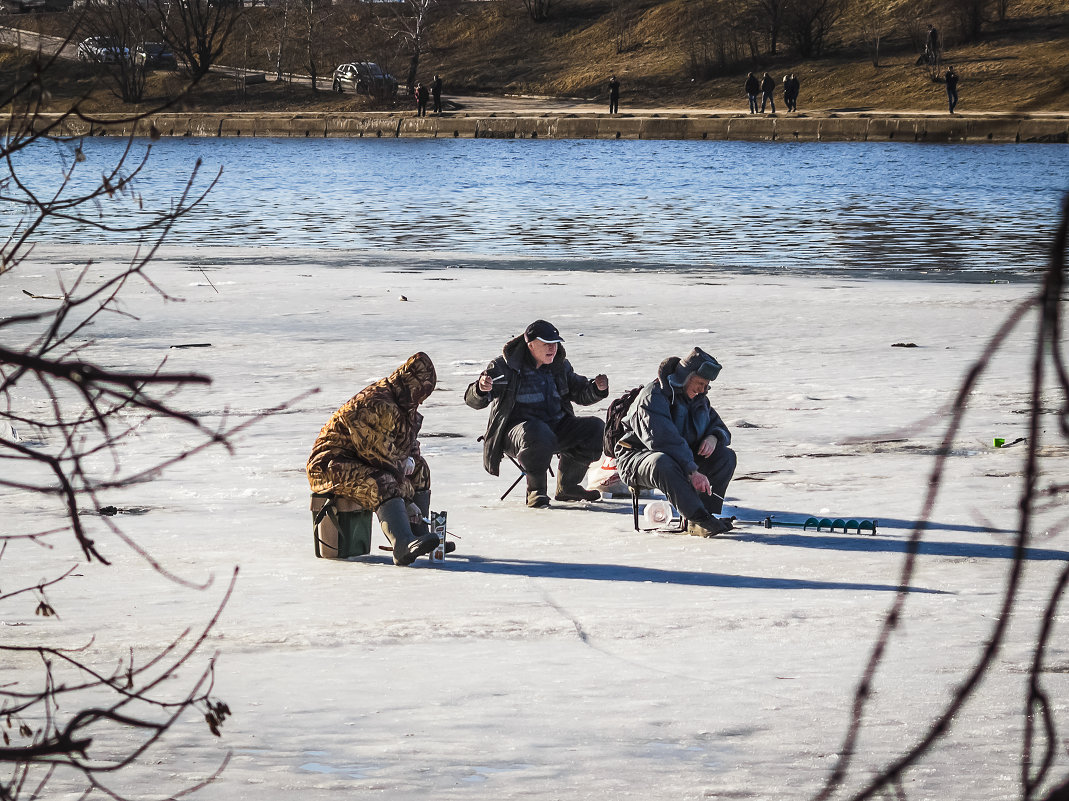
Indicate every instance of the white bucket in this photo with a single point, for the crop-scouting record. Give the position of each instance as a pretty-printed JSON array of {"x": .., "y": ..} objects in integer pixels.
[{"x": 657, "y": 513}]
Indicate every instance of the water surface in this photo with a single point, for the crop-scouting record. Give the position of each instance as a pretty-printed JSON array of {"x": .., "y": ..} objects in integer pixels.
[{"x": 963, "y": 210}]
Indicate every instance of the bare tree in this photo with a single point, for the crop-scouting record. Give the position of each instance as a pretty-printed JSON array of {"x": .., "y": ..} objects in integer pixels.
[
  {"x": 409, "y": 24},
  {"x": 968, "y": 17},
  {"x": 769, "y": 15},
  {"x": 538, "y": 10},
  {"x": 196, "y": 30},
  {"x": 69, "y": 714},
  {"x": 875, "y": 20},
  {"x": 807, "y": 23},
  {"x": 1041, "y": 737},
  {"x": 117, "y": 27},
  {"x": 719, "y": 33}
]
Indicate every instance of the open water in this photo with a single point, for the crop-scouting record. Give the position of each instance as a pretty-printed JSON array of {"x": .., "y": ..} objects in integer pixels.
[{"x": 961, "y": 211}]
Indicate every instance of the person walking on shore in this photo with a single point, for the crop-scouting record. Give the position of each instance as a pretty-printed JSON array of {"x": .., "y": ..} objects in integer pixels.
[
  {"x": 753, "y": 86},
  {"x": 951, "y": 79},
  {"x": 530, "y": 389},
  {"x": 932, "y": 49},
  {"x": 790, "y": 92},
  {"x": 614, "y": 95},
  {"x": 673, "y": 440},
  {"x": 768, "y": 88},
  {"x": 436, "y": 94},
  {"x": 422, "y": 96}
]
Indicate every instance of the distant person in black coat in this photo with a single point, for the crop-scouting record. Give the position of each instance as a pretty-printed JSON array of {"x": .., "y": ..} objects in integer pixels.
[
  {"x": 436, "y": 93},
  {"x": 768, "y": 87},
  {"x": 753, "y": 86},
  {"x": 790, "y": 92},
  {"x": 422, "y": 96},
  {"x": 614, "y": 95},
  {"x": 951, "y": 79},
  {"x": 932, "y": 49}
]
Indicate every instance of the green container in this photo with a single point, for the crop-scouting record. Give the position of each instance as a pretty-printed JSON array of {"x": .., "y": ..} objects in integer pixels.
[{"x": 340, "y": 528}]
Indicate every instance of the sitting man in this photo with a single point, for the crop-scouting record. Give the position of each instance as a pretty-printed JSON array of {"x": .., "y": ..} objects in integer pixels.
[
  {"x": 675, "y": 441},
  {"x": 532, "y": 387},
  {"x": 368, "y": 452}
]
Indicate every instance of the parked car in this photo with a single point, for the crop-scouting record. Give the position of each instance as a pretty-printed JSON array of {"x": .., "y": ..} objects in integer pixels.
[
  {"x": 102, "y": 49},
  {"x": 21, "y": 6},
  {"x": 155, "y": 56},
  {"x": 365, "y": 77}
]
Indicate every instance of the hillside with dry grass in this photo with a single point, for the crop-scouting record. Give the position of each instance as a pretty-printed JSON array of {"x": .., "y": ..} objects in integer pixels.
[{"x": 1020, "y": 64}]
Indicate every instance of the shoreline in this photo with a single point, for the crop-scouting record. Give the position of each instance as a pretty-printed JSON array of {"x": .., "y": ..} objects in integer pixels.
[
  {"x": 415, "y": 262},
  {"x": 805, "y": 127}
]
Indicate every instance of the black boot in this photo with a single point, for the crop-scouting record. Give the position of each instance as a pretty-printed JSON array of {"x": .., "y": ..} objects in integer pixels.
[
  {"x": 537, "y": 492},
  {"x": 407, "y": 547},
  {"x": 569, "y": 473}
]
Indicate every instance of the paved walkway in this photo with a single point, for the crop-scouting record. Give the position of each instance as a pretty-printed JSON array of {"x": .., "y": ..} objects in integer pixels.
[{"x": 500, "y": 105}]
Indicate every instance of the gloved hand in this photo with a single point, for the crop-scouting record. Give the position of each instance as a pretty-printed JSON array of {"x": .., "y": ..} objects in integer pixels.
[{"x": 409, "y": 466}]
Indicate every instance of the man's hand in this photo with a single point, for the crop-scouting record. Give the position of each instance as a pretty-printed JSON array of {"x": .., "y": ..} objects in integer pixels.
[
  {"x": 708, "y": 445},
  {"x": 601, "y": 381},
  {"x": 486, "y": 383},
  {"x": 700, "y": 483}
]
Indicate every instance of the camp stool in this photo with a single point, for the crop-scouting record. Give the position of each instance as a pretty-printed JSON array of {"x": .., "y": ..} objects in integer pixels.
[{"x": 340, "y": 527}]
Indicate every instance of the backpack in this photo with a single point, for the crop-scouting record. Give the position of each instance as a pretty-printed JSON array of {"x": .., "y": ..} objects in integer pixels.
[{"x": 614, "y": 420}]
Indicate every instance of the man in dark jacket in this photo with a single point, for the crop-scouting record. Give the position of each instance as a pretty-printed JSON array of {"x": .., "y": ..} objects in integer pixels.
[
  {"x": 768, "y": 88},
  {"x": 530, "y": 389},
  {"x": 675, "y": 441},
  {"x": 753, "y": 86},
  {"x": 951, "y": 79},
  {"x": 436, "y": 94}
]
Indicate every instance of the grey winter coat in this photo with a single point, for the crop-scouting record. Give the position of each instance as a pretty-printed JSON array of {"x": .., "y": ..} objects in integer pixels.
[
  {"x": 572, "y": 388},
  {"x": 662, "y": 419}
]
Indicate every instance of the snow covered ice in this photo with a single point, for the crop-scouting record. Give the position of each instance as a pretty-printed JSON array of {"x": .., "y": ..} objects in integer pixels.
[{"x": 559, "y": 654}]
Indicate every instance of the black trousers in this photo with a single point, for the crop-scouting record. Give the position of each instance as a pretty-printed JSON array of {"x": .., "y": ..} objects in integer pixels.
[
  {"x": 533, "y": 443},
  {"x": 657, "y": 470}
]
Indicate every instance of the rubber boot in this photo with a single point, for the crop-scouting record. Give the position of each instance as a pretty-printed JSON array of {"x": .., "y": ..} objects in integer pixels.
[
  {"x": 537, "y": 490},
  {"x": 569, "y": 473},
  {"x": 422, "y": 500},
  {"x": 708, "y": 525},
  {"x": 393, "y": 517}
]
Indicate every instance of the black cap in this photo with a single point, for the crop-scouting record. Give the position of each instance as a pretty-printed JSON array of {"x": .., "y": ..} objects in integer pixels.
[{"x": 540, "y": 329}]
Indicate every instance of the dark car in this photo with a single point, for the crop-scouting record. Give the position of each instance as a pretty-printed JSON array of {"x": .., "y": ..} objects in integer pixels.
[
  {"x": 365, "y": 77},
  {"x": 155, "y": 56},
  {"x": 21, "y": 6}
]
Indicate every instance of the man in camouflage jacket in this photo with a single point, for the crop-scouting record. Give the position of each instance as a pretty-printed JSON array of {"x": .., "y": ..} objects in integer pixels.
[{"x": 369, "y": 453}]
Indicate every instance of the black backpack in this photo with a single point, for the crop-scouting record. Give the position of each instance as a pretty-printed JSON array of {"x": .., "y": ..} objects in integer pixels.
[{"x": 614, "y": 420}]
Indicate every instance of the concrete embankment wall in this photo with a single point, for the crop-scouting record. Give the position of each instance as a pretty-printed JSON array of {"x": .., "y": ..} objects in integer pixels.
[{"x": 800, "y": 128}]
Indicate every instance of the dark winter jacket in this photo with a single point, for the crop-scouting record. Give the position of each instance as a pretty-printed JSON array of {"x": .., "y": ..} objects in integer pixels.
[
  {"x": 572, "y": 388},
  {"x": 662, "y": 419},
  {"x": 768, "y": 86},
  {"x": 753, "y": 86}
]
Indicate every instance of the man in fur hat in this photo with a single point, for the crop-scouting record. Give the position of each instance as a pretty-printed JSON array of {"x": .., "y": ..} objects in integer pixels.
[
  {"x": 675, "y": 441},
  {"x": 530, "y": 389}
]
